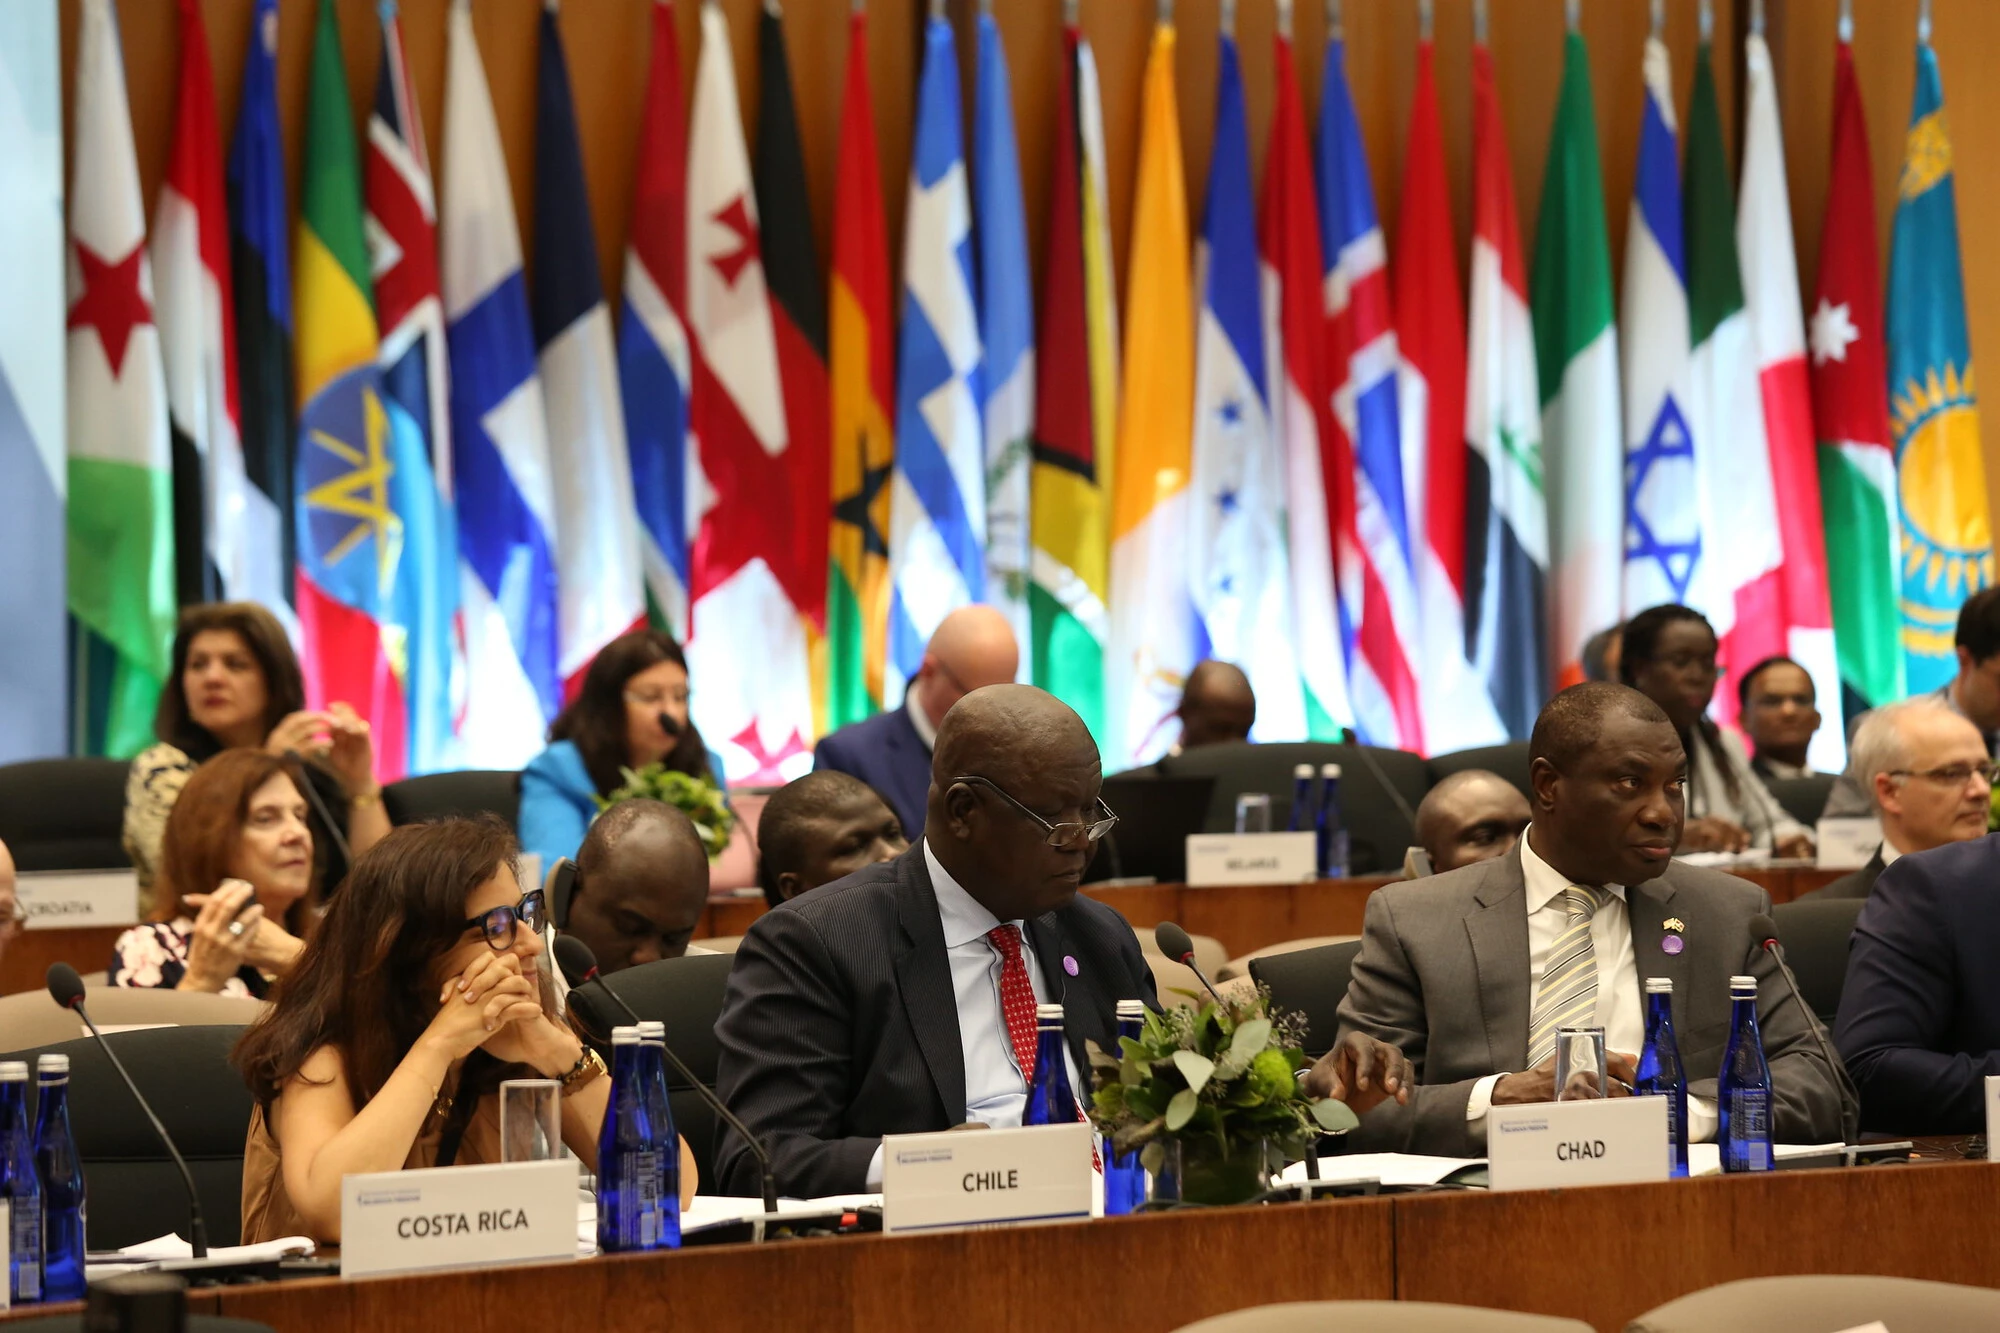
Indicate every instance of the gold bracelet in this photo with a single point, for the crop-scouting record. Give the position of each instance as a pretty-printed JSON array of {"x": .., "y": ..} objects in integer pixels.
[
  {"x": 588, "y": 1066},
  {"x": 365, "y": 799}
]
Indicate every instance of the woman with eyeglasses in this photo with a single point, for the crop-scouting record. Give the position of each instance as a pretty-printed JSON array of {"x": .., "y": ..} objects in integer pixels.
[
  {"x": 631, "y": 712},
  {"x": 1669, "y": 656},
  {"x": 417, "y": 994}
]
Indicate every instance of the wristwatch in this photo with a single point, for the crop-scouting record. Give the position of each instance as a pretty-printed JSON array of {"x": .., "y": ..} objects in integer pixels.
[{"x": 588, "y": 1066}]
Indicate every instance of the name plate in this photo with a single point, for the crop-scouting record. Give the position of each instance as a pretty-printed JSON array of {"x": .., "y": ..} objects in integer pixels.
[
  {"x": 457, "y": 1217},
  {"x": 1216, "y": 860},
  {"x": 1603, "y": 1141},
  {"x": 67, "y": 899},
  {"x": 986, "y": 1177},
  {"x": 1845, "y": 844}
]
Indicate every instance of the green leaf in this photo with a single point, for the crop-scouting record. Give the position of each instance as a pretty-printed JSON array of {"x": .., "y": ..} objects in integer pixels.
[
  {"x": 1250, "y": 1038},
  {"x": 1181, "y": 1109},
  {"x": 1196, "y": 1069},
  {"x": 1131, "y": 1073},
  {"x": 1153, "y": 1156},
  {"x": 1334, "y": 1117}
]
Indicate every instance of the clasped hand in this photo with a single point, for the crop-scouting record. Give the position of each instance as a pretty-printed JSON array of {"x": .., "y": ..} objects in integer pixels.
[{"x": 491, "y": 1004}]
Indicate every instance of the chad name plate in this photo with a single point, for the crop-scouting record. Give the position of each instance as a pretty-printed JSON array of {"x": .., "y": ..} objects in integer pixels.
[
  {"x": 457, "y": 1217},
  {"x": 1217, "y": 860},
  {"x": 985, "y": 1177},
  {"x": 1602, "y": 1141}
]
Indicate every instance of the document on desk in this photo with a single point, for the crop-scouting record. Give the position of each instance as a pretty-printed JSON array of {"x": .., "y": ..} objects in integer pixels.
[
  {"x": 170, "y": 1247},
  {"x": 1705, "y": 1159},
  {"x": 1391, "y": 1168},
  {"x": 717, "y": 1210}
]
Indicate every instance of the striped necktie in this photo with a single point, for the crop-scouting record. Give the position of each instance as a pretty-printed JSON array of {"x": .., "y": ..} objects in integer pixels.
[{"x": 1567, "y": 994}]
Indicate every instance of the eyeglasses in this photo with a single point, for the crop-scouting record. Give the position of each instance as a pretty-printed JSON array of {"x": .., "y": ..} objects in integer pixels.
[
  {"x": 1954, "y": 775},
  {"x": 1059, "y": 835},
  {"x": 498, "y": 925},
  {"x": 663, "y": 699}
]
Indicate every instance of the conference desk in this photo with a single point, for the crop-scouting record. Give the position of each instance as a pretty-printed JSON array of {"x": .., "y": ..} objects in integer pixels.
[
  {"x": 1244, "y": 918},
  {"x": 1603, "y": 1255}
]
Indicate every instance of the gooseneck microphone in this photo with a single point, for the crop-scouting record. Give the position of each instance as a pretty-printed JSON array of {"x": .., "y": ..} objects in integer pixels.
[
  {"x": 66, "y": 989},
  {"x": 669, "y": 724},
  {"x": 1172, "y": 941},
  {"x": 1764, "y": 933},
  {"x": 319, "y": 807},
  {"x": 1374, "y": 767},
  {"x": 579, "y": 969}
]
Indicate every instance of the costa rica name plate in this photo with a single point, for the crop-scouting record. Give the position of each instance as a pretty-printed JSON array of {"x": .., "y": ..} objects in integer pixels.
[
  {"x": 986, "y": 1177},
  {"x": 1601, "y": 1141},
  {"x": 457, "y": 1217}
]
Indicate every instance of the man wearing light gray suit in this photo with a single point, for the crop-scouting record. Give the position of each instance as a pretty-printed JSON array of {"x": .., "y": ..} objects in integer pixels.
[{"x": 1456, "y": 970}]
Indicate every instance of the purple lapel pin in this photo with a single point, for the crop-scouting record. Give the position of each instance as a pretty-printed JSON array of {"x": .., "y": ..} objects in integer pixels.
[
  {"x": 1672, "y": 944},
  {"x": 1069, "y": 964}
]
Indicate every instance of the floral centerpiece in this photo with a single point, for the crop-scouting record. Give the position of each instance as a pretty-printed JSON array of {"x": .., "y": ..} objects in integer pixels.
[
  {"x": 697, "y": 798},
  {"x": 1212, "y": 1097}
]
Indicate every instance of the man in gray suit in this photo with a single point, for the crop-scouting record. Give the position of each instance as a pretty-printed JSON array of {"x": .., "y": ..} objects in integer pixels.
[{"x": 1452, "y": 968}]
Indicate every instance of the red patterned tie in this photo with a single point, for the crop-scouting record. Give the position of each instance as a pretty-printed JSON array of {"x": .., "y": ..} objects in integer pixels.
[{"x": 1017, "y": 998}]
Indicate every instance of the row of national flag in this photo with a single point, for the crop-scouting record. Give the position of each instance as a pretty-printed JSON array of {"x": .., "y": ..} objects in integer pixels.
[{"x": 1403, "y": 506}]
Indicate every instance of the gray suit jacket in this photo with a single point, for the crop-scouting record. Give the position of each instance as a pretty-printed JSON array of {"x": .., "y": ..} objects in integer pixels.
[{"x": 1443, "y": 975}]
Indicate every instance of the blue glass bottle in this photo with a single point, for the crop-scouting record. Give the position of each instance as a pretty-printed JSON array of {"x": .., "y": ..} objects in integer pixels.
[
  {"x": 1332, "y": 832},
  {"x": 1051, "y": 1101},
  {"x": 653, "y": 1036},
  {"x": 20, "y": 1191},
  {"x": 1660, "y": 1071},
  {"x": 61, "y": 1172},
  {"x": 628, "y": 1176},
  {"x": 1302, "y": 799},
  {"x": 1124, "y": 1178},
  {"x": 1743, "y": 1093}
]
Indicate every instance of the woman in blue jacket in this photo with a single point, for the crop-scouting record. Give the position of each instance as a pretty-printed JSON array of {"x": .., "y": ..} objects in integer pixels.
[{"x": 632, "y": 711}]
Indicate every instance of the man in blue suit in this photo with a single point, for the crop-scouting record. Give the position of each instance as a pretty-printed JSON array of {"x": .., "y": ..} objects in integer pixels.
[{"x": 972, "y": 647}]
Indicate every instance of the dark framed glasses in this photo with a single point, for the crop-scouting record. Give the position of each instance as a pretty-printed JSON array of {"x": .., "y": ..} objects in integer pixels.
[
  {"x": 497, "y": 926},
  {"x": 1058, "y": 835}
]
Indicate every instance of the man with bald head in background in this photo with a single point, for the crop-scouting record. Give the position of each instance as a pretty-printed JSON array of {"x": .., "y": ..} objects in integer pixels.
[
  {"x": 891, "y": 752},
  {"x": 641, "y": 886},
  {"x": 876, "y": 1004},
  {"x": 1472, "y": 815},
  {"x": 1217, "y": 705}
]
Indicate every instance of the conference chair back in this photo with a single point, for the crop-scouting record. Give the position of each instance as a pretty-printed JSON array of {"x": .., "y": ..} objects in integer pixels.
[
  {"x": 64, "y": 814},
  {"x": 1816, "y": 934},
  {"x": 686, "y": 995},
  {"x": 1378, "y": 831},
  {"x": 1804, "y": 799},
  {"x": 467, "y": 792},
  {"x": 1312, "y": 982},
  {"x": 32, "y": 1019},
  {"x": 1825, "y": 1303},
  {"x": 135, "y": 1192},
  {"x": 1403, "y": 1316},
  {"x": 1509, "y": 761}
]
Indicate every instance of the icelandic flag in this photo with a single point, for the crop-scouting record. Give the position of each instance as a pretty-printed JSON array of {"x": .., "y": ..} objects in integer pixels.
[
  {"x": 499, "y": 432},
  {"x": 652, "y": 335},
  {"x": 1371, "y": 521},
  {"x": 402, "y": 236},
  {"x": 1662, "y": 499},
  {"x": 1238, "y": 568},
  {"x": 937, "y": 507},
  {"x": 597, "y": 530}
]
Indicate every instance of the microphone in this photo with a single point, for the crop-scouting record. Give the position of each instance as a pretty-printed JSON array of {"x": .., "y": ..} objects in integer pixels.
[
  {"x": 1764, "y": 932},
  {"x": 319, "y": 807},
  {"x": 1175, "y": 944},
  {"x": 1374, "y": 767},
  {"x": 66, "y": 989},
  {"x": 669, "y": 724},
  {"x": 579, "y": 969}
]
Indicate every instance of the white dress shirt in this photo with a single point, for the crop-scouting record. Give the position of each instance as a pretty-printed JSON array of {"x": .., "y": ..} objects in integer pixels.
[
  {"x": 926, "y": 729},
  {"x": 1621, "y": 1010},
  {"x": 996, "y": 1087}
]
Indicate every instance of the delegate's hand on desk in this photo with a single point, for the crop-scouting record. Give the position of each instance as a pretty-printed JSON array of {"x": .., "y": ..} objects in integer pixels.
[
  {"x": 1539, "y": 1084},
  {"x": 1362, "y": 1072}
]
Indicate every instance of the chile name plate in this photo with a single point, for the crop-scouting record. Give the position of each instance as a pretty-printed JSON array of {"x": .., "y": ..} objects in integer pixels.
[
  {"x": 986, "y": 1178},
  {"x": 1600, "y": 1141},
  {"x": 457, "y": 1217}
]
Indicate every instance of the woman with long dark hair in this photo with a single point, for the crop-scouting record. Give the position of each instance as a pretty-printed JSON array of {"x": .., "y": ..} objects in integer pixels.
[
  {"x": 417, "y": 994},
  {"x": 1669, "y": 656},
  {"x": 236, "y": 684},
  {"x": 632, "y": 711}
]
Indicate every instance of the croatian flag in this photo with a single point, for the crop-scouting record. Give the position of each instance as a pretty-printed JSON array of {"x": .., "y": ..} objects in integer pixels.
[
  {"x": 499, "y": 432},
  {"x": 1371, "y": 522}
]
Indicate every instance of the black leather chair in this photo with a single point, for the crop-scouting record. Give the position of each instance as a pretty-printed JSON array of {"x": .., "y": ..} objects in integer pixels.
[
  {"x": 135, "y": 1193},
  {"x": 64, "y": 814},
  {"x": 686, "y": 995},
  {"x": 1378, "y": 830},
  {"x": 1312, "y": 982},
  {"x": 471, "y": 791},
  {"x": 1816, "y": 934},
  {"x": 1509, "y": 761},
  {"x": 1804, "y": 798}
]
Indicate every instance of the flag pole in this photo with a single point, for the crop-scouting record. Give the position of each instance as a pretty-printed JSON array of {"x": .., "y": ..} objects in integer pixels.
[
  {"x": 1426, "y": 19},
  {"x": 1228, "y": 18},
  {"x": 1659, "y": 17},
  {"x": 1707, "y": 21},
  {"x": 1757, "y": 18},
  {"x": 1479, "y": 22},
  {"x": 1336, "y": 28},
  {"x": 1165, "y": 13},
  {"x": 1847, "y": 20},
  {"x": 1924, "y": 22},
  {"x": 1285, "y": 19}
]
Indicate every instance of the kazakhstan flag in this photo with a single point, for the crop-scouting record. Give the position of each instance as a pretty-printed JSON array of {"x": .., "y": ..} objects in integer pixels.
[{"x": 1947, "y": 540}]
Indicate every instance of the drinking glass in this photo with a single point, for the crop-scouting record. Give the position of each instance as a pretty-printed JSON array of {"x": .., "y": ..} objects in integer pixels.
[
  {"x": 1253, "y": 812},
  {"x": 1579, "y": 1063},
  {"x": 530, "y": 1120}
]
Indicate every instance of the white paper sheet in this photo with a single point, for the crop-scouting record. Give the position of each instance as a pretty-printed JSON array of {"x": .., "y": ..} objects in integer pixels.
[
  {"x": 1705, "y": 1159},
  {"x": 1391, "y": 1168}
]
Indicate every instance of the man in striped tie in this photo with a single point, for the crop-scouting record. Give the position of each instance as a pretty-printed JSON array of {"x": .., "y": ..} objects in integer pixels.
[{"x": 1472, "y": 972}]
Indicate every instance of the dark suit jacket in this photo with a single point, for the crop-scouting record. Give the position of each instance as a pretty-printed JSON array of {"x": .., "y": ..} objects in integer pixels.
[
  {"x": 1855, "y": 884},
  {"x": 1443, "y": 974},
  {"x": 840, "y": 1023},
  {"x": 1920, "y": 1013},
  {"x": 885, "y": 752}
]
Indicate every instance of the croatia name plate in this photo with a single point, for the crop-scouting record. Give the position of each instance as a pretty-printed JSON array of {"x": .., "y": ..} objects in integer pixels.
[
  {"x": 1217, "y": 860},
  {"x": 986, "y": 1177},
  {"x": 457, "y": 1217},
  {"x": 67, "y": 899},
  {"x": 1602, "y": 1141}
]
